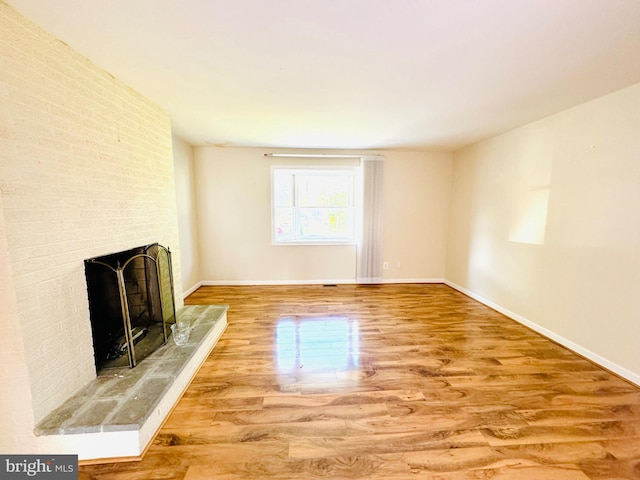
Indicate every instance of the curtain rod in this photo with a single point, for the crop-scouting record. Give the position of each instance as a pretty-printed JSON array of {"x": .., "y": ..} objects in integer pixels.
[{"x": 316, "y": 155}]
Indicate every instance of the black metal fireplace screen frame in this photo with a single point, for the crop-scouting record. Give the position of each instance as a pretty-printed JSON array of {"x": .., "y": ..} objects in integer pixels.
[{"x": 118, "y": 263}]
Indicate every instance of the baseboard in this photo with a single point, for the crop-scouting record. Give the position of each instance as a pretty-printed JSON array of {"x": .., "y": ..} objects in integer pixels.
[
  {"x": 214, "y": 283},
  {"x": 576, "y": 348},
  {"x": 413, "y": 280},
  {"x": 348, "y": 281},
  {"x": 191, "y": 290}
]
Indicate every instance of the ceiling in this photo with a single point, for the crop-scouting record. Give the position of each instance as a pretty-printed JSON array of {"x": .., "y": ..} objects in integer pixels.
[{"x": 396, "y": 74}]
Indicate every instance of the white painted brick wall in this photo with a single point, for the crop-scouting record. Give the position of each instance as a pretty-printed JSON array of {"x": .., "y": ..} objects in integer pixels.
[
  {"x": 86, "y": 169},
  {"x": 15, "y": 389}
]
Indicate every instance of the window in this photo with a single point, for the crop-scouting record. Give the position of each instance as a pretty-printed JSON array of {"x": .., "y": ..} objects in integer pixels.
[{"x": 313, "y": 205}]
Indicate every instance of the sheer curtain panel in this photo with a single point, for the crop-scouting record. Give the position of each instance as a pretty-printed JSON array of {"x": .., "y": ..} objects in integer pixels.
[{"x": 369, "y": 269}]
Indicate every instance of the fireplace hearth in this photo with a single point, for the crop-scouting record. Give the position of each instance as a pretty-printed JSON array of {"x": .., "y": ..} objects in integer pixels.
[{"x": 131, "y": 304}]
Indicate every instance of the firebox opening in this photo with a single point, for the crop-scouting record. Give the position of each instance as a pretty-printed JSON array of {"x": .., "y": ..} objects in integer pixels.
[{"x": 131, "y": 303}]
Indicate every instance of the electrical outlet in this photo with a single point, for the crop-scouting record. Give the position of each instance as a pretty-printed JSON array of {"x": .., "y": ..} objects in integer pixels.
[
  {"x": 385, "y": 265},
  {"x": 398, "y": 265}
]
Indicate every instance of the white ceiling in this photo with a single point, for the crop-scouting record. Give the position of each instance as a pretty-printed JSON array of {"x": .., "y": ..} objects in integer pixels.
[{"x": 410, "y": 74}]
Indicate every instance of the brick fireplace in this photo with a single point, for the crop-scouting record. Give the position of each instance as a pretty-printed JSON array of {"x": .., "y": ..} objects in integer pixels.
[
  {"x": 131, "y": 305},
  {"x": 87, "y": 168}
]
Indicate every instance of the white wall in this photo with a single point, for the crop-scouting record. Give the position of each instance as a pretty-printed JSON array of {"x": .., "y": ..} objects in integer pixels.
[
  {"x": 579, "y": 275},
  {"x": 86, "y": 169},
  {"x": 233, "y": 197},
  {"x": 416, "y": 196},
  {"x": 184, "y": 169}
]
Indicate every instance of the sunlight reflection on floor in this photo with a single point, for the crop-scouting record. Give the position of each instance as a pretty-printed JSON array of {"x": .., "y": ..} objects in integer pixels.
[{"x": 317, "y": 344}]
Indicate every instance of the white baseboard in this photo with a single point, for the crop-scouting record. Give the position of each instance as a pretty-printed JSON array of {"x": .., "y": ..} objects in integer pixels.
[
  {"x": 191, "y": 290},
  {"x": 211, "y": 283},
  {"x": 579, "y": 349},
  {"x": 413, "y": 280},
  {"x": 343, "y": 281}
]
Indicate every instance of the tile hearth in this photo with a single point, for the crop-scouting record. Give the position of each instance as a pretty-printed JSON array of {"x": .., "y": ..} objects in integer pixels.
[{"x": 128, "y": 405}]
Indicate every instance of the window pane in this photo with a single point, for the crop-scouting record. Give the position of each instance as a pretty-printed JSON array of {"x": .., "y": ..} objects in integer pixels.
[
  {"x": 313, "y": 205},
  {"x": 283, "y": 189},
  {"x": 317, "y": 190},
  {"x": 283, "y": 224},
  {"x": 328, "y": 223}
]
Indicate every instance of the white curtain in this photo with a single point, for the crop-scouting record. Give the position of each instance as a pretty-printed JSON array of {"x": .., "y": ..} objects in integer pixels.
[{"x": 369, "y": 269}]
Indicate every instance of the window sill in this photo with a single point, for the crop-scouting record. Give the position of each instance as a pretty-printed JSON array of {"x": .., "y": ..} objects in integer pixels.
[{"x": 314, "y": 243}]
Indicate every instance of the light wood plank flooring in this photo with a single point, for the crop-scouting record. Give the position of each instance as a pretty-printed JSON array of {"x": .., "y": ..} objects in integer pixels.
[{"x": 389, "y": 381}]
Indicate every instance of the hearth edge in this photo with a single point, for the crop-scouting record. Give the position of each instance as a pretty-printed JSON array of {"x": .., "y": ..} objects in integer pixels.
[{"x": 126, "y": 430}]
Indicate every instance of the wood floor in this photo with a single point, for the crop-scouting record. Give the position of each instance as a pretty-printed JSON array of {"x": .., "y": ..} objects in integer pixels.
[{"x": 391, "y": 381}]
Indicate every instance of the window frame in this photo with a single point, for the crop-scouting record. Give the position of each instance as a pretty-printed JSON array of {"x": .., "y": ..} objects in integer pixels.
[{"x": 348, "y": 171}]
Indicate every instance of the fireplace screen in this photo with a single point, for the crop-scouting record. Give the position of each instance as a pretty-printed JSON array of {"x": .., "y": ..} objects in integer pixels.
[{"x": 131, "y": 304}]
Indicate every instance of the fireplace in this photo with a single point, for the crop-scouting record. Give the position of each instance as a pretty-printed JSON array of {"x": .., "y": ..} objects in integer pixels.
[{"x": 131, "y": 304}]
